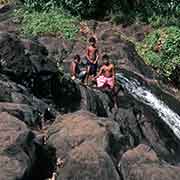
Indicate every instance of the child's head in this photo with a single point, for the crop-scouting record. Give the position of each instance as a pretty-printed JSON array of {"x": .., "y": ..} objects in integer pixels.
[
  {"x": 105, "y": 59},
  {"x": 77, "y": 58},
  {"x": 92, "y": 41}
]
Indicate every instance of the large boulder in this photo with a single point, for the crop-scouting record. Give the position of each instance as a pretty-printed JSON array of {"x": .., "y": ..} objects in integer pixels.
[
  {"x": 142, "y": 163},
  {"x": 82, "y": 141},
  {"x": 25, "y": 62},
  {"x": 21, "y": 153}
]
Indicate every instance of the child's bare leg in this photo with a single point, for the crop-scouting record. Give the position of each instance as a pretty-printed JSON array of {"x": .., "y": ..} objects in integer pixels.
[{"x": 87, "y": 76}]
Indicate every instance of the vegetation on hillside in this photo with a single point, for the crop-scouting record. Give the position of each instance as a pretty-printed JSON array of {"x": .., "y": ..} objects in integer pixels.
[
  {"x": 53, "y": 22},
  {"x": 161, "y": 49}
]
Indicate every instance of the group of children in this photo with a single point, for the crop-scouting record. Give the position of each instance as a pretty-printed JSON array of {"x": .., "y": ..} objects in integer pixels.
[{"x": 105, "y": 78}]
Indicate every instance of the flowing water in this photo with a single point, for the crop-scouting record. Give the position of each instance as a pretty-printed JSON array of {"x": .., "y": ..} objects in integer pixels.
[{"x": 145, "y": 96}]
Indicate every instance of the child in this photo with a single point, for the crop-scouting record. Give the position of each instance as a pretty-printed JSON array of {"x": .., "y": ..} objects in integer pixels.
[
  {"x": 76, "y": 71},
  {"x": 92, "y": 56},
  {"x": 106, "y": 75}
]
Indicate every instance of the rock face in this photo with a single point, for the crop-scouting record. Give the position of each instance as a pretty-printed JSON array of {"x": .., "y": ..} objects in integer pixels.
[
  {"x": 16, "y": 100},
  {"x": 96, "y": 101},
  {"x": 142, "y": 163},
  {"x": 82, "y": 142},
  {"x": 66, "y": 93},
  {"x": 140, "y": 124},
  {"x": 58, "y": 47},
  {"x": 26, "y": 62}
]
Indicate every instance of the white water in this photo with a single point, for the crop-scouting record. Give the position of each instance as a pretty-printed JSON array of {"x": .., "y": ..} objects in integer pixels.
[{"x": 142, "y": 94}]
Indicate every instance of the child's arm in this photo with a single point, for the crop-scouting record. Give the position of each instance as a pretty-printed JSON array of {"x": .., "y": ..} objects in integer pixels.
[
  {"x": 97, "y": 56},
  {"x": 113, "y": 75},
  {"x": 100, "y": 72},
  {"x": 73, "y": 69}
]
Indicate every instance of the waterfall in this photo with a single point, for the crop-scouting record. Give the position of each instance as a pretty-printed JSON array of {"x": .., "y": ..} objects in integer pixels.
[{"x": 145, "y": 96}]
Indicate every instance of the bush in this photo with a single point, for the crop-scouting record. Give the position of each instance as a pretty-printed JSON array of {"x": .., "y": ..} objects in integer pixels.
[
  {"x": 53, "y": 22},
  {"x": 168, "y": 55}
]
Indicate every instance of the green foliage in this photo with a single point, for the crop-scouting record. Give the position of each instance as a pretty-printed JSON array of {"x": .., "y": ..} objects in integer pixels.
[
  {"x": 168, "y": 55},
  {"x": 94, "y": 8},
  {"x": 54, "y": 21},
  {"x": 162, "y": 21},
  {"x": 85, "y": 8},
  {"x": 41, "y": 5},
  {"x": 163, "y": 7}
]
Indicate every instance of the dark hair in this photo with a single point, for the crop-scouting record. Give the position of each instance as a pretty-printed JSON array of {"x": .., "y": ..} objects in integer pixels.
[
  {"x": 92, "y": 39},
  {"x": 77, "y": 56},
  {"x": 105, "y": 56}
]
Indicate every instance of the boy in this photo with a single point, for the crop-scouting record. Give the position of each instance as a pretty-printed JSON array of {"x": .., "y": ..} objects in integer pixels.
[
  {"x": 92, "y": 56},
  {"x": 106, "y": 75},
  {"x": 75, "y": 69}
]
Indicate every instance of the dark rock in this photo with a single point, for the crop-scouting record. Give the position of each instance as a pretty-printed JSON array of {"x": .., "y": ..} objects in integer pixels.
[
  {"x": 23, "y": 112},
  {"x": 58, "y": 47},
  {"x": 140, "y": 124},
  {"x": 142, "y": 163},
  {"x": 26, "y": 62},
  {"x": 95, "y": 101},
  {"x": 17, "y": 152},
  {"x": 16, "y": 100},
  {"x": 21, "y": 157},
  {"x": 4, "y": 8},
  {"x": 66, "y": 93},
  {"x": 175, "y": 76}
]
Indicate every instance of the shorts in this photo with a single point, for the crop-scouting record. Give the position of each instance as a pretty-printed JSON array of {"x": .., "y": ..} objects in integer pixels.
[
  {"x": 103, "y": 81},
  {"x": 93, "y": 68}
]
